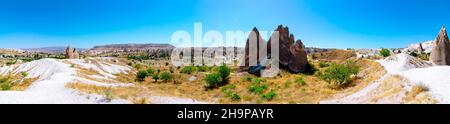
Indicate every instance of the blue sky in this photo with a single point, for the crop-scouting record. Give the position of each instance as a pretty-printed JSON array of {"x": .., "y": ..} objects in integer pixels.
[{"x": 319, "y": 23}]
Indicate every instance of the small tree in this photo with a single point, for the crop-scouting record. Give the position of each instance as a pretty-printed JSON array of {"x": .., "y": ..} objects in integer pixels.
[
  {"x": 385, "y": 52},
  {"x": 150, "y": 71},
  {"x": 165, "y": 76},
  {"x": 141, "y": 75},
  {"x": 339, "y": 75},
  {"x": 155, "y": 77},
  {"x": 212, "y": 80},
  {"x": 224, "y": 72}
]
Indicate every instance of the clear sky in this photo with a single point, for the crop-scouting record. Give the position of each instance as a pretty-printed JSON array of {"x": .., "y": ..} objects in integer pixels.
[{"x": 319, "y": 23}]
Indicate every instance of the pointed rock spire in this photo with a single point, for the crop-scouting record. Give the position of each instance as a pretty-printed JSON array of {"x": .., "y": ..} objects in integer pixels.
[{"x": 440, "y": 55}]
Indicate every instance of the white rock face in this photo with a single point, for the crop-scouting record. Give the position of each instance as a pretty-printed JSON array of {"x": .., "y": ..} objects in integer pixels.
[
  {"x": 50, "y": 88},
  {"x": 427, "y": 47}
]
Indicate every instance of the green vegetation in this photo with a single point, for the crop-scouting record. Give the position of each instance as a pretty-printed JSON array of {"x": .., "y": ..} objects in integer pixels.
[
  {"x": 257, "y": 87},
  {"x": 203, "y": 68},
  {"x": 150, "y": 71},
  {"x": 11, "y": 63},
  {"x": 155, "y": 77},
  {"x": 5, "y": 83},
  {"x": 219, "y": 78},
  {"x": 212, "y": 80},
  {"x": 188, "y": 69},
  {"x": 323, "y": 64},
  {"x": 299, "y": 80},
  {"x": 269, "y": 96},
  {"x": 24, "y": 74},
  {"x": 228, "y": 90},
  {"x": 385, "y": 52},
  {"x": 339, "y": 75},
  {"x": 141, "y": 75},
  {"x": 165, "y": 76}
]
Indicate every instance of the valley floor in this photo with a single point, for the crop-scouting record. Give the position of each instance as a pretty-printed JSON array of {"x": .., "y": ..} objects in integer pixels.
[{"x": 397, "y": 79}]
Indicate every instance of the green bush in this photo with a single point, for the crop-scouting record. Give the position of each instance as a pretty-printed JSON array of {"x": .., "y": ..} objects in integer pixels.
[
  {"x": 24, "y": 74},
  {"x": 339, "y": 75},
  {"x": 218, "y": 78},
  {"x": 228, "y": 90},
  {"x": 224, "y": 72},
  {"x": 187, "y": 69},
  {"x": 150, "y": 71},
  {"x": 212, "y": 80},
  {"x": 269, "y": 96},
  {"x": 256, "y": 87},
  {"x": 5, "y": 84},
  {"x": 155, "y": 77},
  {"x": 323, "y": 64},
  {"x": 203, "y": 68},
  {"x": 235, "y": 97},
  {"x": 165, "y": 76},
  {"x": 247, "y": 78},
  {"x": 137, "y": 66},
  {"x": 299, "y": 80},
  {"x": 141, "y": 75},
  {"x": 385, "y": 52}
]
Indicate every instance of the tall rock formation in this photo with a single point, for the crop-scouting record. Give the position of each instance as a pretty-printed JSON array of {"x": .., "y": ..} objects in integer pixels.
[
  {"x": 440, "y": 54},
  {"x": 292, "y": 56},
  {"x": 72, "y": 53}
]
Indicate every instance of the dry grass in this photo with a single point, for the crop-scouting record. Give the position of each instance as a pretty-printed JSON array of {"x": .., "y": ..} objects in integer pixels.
[
  {"x": 21, "y": 86},
  {"x": 419, "y": 95},
  {"x": 134, "y": 94}
]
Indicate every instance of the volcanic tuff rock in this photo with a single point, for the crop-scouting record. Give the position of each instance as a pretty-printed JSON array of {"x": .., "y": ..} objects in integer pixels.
[
  {"x": 440, "y": 55},
  {"x": 292, "y": 55},
  {"x": 72, "y": 53}
]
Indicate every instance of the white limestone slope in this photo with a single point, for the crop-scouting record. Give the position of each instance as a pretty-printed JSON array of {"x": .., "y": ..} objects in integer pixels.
[
  {"x": 50, "y": 88},
  {"x": 436, "y": 78}
]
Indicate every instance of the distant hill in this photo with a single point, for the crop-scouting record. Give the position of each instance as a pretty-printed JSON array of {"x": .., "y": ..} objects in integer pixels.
[
  {"x": 57, "y": 49},
  {"x": 131, "y": 47}
]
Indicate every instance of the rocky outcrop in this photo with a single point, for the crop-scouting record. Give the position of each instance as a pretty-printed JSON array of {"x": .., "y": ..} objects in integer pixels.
[
  {"x": 260, "y": 47},
  {"x": 297, "y": 60},
  {"x": 292, "y": 56},
  {"x": 440, "y": 54},
  {"x": 72, "y": 53}
]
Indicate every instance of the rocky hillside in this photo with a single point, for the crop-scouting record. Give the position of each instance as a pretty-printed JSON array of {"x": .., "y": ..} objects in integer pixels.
[{"x": 119, "y": 49}]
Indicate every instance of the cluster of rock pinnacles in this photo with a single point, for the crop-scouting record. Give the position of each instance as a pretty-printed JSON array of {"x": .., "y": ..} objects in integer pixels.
[
  {"x": 440, "y": 54},
  {"x": 292, "y": 54},
  {"x": 72, "y": 53}
]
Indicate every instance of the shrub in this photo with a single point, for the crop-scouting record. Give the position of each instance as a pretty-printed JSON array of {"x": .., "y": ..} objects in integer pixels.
[
  {"x": 165, "y": 76},
  {"x": 155, "y": 77},
  {"x": 323, "y": 64},
  {"x": 141, "y": 75},
  {"x": 257, "y": 88},
  {"x": 5, "y": 84},
  {"x": 414, "y": 54},
  {"x": 339, "y": 75},
  {"x": 385, "y": 52},
  {"x": 224, "y": 72},
  {"x": 247, "y": 78},
  {"x": 10, "y": 63},
  {"x": 299, "y": 80},
  {"x": 150, "y": 71},
  {"x": 235, "y": 97},
  {"x": 228, "y": 91},
  {"x": 212, "y": 80},
  {"x": 137, "y": 66},
  {"x": 219, "y": 78},
  {"x": 187, "y": 69},
  {"x": 203, "y": 68},
  {"x": 269, "y": 96},
  {"x": 24, "y": 74}
]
